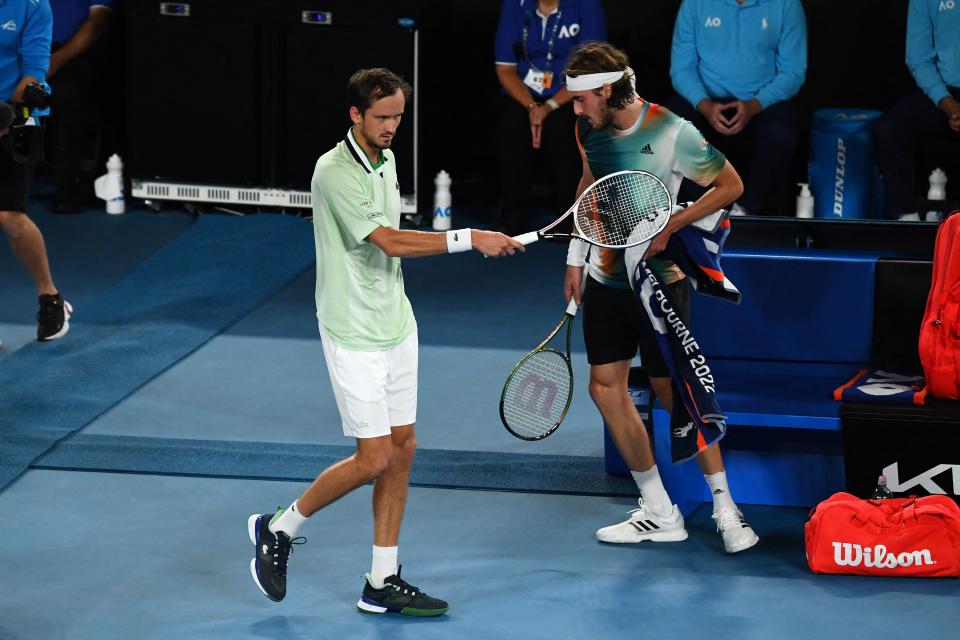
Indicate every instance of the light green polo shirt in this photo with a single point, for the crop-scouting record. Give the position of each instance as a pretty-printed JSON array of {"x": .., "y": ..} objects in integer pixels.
[{"x": 361, "y": 303}]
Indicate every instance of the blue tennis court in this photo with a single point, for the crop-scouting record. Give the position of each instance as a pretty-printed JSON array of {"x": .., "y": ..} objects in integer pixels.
[{"x": 191, "y": 392}]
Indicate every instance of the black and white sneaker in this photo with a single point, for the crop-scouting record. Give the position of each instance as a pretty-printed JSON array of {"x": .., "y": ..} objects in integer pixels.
[
  {"x": 53, "y": 317},
  {"x": 271, "y": 552},
  {"x": 397, "y": 596}
]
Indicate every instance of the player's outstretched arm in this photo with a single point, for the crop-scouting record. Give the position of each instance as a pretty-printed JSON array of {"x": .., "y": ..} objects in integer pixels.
[{"x": 407, "y": 243}]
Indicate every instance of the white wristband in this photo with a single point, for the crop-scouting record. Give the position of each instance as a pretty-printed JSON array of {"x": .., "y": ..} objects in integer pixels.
[
  {"x": 577, "y": 253},
  {"x": 459, "y": 240},
  {"x": 553, "y": 104}
]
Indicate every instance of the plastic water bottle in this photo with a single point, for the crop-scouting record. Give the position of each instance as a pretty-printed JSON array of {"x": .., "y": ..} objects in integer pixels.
[
  {"x": 109, "y": 187},
  {"x": 937, "y": 191},
  {"x": 804, "y": 201},
  {"x": 882, "y": 492},
  {"x": 441, "y": 201}
]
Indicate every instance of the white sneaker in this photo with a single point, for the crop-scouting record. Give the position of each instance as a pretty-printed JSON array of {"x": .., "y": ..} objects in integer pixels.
[
  {"x": 737, "y": 210},
  {"x": 737, "y": 534},
  {"x": 646, "y": 525}
]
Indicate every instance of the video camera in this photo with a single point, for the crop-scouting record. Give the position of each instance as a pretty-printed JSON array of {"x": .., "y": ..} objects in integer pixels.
[{"x": 24, "y": 142}]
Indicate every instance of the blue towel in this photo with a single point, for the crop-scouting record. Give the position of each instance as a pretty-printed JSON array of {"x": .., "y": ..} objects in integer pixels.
[
  {"x": 697, "y": 248},
  {"x": 697, "y": 420},
  {"x": 883, "y": 387}
]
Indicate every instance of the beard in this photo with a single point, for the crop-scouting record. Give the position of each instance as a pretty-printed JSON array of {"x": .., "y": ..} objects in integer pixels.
[
  {"x": 378, "y": 142},
  {"x": 604, "y": 118}
]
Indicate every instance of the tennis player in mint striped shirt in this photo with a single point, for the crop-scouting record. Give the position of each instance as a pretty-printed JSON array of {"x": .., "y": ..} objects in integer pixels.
[
  {"x": 369, "y": 337},
  {"x": 620, "y": 131}
]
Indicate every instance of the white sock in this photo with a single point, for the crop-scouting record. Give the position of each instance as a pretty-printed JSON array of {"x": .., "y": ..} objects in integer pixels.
[
  {"x": 654, "y": 495},
  {"x": 288, "y": 521},
  {"x": 384, "y": 565},
  {"x": 721, "y": 492}
]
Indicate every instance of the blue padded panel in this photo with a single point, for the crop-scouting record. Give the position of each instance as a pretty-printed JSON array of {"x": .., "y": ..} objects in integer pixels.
[
  {"x": 797, "y": 476},
  {"x": 795, "y": 395},
  {"x": 798, "y": 305}
]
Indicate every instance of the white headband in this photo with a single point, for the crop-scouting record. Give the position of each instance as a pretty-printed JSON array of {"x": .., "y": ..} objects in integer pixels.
[{"x": 596, "y": 80}]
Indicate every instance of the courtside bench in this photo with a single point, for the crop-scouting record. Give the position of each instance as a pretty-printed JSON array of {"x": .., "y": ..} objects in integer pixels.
[{"x": 804, "y": 327}]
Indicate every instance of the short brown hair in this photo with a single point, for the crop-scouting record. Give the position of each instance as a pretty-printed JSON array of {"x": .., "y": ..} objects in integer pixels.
[
  {"x": 602, "y": 57},
  {"x": 366, "y": 86}
]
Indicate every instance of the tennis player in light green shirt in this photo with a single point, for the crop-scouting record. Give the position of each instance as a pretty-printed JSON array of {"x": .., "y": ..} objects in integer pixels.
[{"x": 369, "y": 337}]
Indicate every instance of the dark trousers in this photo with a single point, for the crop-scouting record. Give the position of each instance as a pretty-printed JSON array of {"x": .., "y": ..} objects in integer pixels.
[
  {"x": 904, "y": 129},
  {"x": 558, "y": 153},
  {"x": 72, "y": 111},
  {"x": 761, "y": 153}
]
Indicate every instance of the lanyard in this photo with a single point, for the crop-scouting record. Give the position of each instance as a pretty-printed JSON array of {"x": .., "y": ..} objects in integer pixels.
[{"x": 550, "y": 43}]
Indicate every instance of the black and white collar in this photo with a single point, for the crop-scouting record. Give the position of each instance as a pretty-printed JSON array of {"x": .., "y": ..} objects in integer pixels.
[{"x": 357, "y": 151}]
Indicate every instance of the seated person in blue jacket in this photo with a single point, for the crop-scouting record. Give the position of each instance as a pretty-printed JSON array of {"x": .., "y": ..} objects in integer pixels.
[
  {"x": 930, "y": 113},
  {"x": 533, "y": 115},
  {"x": 737, "y": 66}
]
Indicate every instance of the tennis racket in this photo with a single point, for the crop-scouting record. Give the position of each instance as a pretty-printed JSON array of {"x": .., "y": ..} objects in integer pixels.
[
  {"x": 619, "y": 210},
  {"x": 537, "y": 393}
]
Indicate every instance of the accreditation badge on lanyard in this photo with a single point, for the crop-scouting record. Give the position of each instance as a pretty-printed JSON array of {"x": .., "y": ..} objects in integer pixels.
[{"x": 537, "y": 79}]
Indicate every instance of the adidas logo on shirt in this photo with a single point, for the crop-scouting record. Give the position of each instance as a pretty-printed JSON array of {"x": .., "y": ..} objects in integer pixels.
[{"x": 646, "y": 149}]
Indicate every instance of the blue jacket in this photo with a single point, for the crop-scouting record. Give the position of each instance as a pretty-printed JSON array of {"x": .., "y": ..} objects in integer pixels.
[
  {"x": 754, "y": 50},
  {"x": 574, "y": 22},
  {"x": 25, "y": 28},
  {"x": 933, "y": 46}
]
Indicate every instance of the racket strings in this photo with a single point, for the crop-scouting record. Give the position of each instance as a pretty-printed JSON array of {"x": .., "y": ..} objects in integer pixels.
[
  {"x": 536, "y": 397},
  {"x": 624, "y": 209}
]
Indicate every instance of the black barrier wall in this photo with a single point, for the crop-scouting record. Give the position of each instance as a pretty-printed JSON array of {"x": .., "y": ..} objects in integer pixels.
[{"x": 243, "y": 93}]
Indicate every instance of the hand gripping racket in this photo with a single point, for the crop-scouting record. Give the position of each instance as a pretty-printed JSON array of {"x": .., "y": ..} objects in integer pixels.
[
  {"x": 537, "y": 393},
  {"x": 619, "y": 210}
]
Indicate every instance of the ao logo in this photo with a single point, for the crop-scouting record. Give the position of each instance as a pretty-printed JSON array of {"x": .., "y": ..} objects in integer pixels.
[
  {"x": 715, "y": 22},
  {"x": 946, "y": 5},
  {"x": 574, "y": 29}
]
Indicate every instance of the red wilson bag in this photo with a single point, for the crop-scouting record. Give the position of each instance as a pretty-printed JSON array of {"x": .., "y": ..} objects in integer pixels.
[
  {"x": 910, "y": 537},
  {"x": 940, "y": 330}
]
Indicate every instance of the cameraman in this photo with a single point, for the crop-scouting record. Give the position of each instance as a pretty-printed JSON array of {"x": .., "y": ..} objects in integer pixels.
[{"x": 25, "y": 28}]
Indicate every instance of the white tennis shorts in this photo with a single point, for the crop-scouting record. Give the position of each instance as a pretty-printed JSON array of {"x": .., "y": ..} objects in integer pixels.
[{"x": 375, "y": 390}]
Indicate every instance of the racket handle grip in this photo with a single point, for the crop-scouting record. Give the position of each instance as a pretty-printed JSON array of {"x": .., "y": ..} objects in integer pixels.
[
  {"x": 527, "y": 238},
  {"x": 572, "y": 307}
]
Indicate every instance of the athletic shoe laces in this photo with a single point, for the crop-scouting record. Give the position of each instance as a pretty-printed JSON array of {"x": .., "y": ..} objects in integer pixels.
[
  {"x": 642, "y": 511},
  {"x": 729, "y": 519},
  {"x": 282, "y": 550},
  {"x": 404, "y": 586}
]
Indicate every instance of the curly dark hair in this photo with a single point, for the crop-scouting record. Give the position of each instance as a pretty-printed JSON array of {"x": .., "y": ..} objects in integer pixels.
[
  {"x": 366, "y": 86},
  {"x": 602, "y": 57}
]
